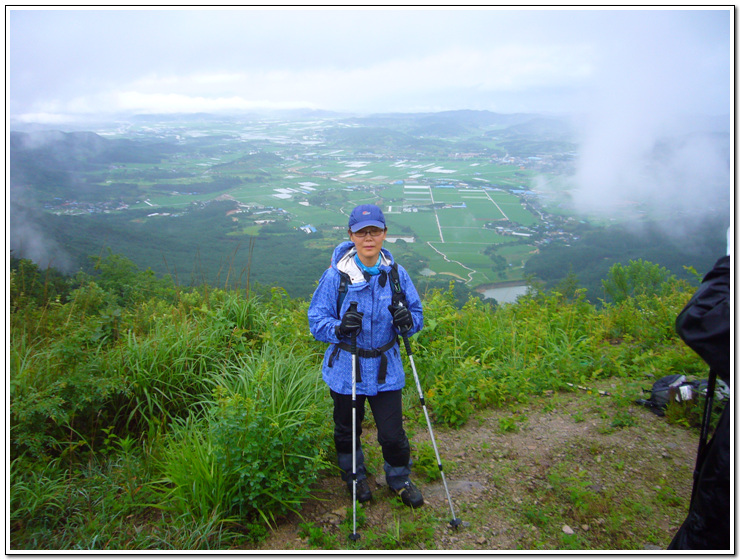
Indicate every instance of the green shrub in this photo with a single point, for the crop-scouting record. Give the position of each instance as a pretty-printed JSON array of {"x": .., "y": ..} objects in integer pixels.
[
  {"x": 316, "y": 536},
  {"x": 425, "y": 461},
  {"x": 448, "y": 401},
  {"x": 271, "y": 467},
  {"x": 260, "y": 444},
  {"x": 508, "y": 424}
]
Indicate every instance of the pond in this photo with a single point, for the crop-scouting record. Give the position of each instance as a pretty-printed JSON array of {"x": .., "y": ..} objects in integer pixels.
[{"x": 504, "y": 294}]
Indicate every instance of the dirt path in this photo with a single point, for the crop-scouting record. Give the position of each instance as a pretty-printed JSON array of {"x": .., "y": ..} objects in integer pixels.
[{"x": 500, "y": 480}]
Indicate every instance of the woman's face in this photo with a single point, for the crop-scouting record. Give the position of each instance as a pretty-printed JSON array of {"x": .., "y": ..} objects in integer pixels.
[{"x": 368, "y": 242}]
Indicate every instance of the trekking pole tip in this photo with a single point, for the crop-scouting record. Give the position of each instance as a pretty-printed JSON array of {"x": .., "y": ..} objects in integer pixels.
[
  {"x": 354, "y": 537},
  {"x": 457, "y": 522}
]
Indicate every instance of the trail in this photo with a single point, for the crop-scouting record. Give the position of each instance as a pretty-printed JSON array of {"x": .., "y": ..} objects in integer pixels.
[
  {"x": 445, "y": 257},
  {"x": 436, "y": 217},
  {"x": 499, "y": 479},
  {"x": 497, "y": 206}
]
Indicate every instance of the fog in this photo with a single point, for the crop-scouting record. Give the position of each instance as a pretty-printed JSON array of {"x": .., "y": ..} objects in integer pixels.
[
  {"x": 644, "y": 143},
  {"x": 28, "y": 241}
]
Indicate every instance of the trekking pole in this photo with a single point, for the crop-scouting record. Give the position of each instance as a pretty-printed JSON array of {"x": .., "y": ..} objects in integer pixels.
[
  {"x": 455, "y": 522},
  {"x": 706, "y": 419},
  {"x": 704, "y": 434},
  {"x": 354, "y": 536}
]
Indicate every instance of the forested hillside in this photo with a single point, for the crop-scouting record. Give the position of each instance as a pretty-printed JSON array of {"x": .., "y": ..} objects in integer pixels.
[
  {"x": 148, "y": 415},
  {"x": 52, "y": 165},
  {"x": 587, "y": 260}
]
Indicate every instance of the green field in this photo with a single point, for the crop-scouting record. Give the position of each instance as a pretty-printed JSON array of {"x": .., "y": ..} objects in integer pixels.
[
  {"x": 451, "y": 218},
  {"x": 422, "y": 224}
]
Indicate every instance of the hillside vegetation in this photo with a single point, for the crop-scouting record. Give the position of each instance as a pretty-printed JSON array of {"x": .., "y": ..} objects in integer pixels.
[{"x": 148, "y": 416}]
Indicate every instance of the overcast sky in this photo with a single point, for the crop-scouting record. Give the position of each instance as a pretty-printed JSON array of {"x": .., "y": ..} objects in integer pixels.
[{"x": 76, "y": 62}]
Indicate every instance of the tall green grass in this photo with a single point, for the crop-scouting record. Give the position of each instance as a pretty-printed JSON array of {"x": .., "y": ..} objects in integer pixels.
[
  {"x": 480, "y": 356},
  {"x": 259, "y": 444}
]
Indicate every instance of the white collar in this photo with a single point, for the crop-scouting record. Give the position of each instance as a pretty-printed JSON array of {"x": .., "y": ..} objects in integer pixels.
[{"x": 348, "y": 265}]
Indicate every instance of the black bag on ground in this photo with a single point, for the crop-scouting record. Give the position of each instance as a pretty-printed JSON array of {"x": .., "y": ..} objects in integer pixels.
[
  {"x": 661, "y": 391},
  {"x": 677, "y": 388}
]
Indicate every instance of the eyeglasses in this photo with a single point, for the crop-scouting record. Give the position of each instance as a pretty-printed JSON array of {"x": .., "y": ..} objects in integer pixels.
[{"x": 365, "y": 232}]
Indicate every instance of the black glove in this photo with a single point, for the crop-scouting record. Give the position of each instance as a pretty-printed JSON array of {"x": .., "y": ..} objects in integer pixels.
[
  {"x": 402, "y": 319},
  {"x": 351, "y": 323}
]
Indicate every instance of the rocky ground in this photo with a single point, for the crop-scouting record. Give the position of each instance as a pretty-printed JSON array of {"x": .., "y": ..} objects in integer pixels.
[{"x": 504, "y": 470}]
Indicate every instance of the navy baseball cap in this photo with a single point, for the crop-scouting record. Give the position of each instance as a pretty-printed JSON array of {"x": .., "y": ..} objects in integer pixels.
[{"x": 366, "y": 215}]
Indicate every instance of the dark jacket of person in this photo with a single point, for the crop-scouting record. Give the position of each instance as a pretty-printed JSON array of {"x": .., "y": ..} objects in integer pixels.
[{"x": 704, "y": 325}]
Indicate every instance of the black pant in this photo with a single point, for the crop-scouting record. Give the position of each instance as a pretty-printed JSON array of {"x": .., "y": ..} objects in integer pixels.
[{"x": 387, "y": 412}]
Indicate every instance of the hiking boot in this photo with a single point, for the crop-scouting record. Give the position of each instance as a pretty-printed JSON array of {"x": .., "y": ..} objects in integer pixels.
[
  {"x": 363, "y": 490},
  {"x": 410, "y": 494}
]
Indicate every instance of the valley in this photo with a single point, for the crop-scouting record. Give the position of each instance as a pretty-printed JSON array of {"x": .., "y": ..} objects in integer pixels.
[{"x": 462, "y": 193}]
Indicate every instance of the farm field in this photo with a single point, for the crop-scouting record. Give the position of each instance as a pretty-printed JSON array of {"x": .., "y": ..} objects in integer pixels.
[{"x": 452, "y": 218}]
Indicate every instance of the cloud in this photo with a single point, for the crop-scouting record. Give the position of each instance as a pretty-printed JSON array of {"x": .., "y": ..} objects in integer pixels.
[
  {"x": 177, "y": 103},
  {"x": 665, "y": 164},
  {"x": 346, "y": 59},
  {"x": 653, "y": 129},
  {"x": 27, "y": 240},
  {"x": 444, "y": 76}
]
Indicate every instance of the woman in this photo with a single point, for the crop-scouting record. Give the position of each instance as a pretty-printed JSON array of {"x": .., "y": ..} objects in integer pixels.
[{"x": 388, "y": 304}]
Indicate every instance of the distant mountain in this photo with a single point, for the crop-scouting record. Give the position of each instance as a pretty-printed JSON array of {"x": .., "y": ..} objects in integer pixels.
[
  {"x": 174, "y": 117},
  {"x": 464, "y": 117},
  {"x": 485, "y": 118},
  {"x": 377, "y": 139},
  {"x": 443, "y": 124},
  {"x": 49, "y": 164},
  {"x": 535, "y": 136},
  {"x": 542, "y": 128},
  {"x": 256, "y": 115},
  {"x": 57, "y": 145},
  {"x": 517, "y": 134}
]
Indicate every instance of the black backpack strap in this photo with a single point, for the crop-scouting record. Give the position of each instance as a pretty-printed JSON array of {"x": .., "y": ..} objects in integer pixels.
[
  {"x": 369, "y": 353},
  {"x": 398, "y": 295}
]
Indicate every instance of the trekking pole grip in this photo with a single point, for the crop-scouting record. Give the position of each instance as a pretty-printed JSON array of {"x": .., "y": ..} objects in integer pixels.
[
  {"x": 353, "y": 307},
  {"x": 407, "y": 343}
]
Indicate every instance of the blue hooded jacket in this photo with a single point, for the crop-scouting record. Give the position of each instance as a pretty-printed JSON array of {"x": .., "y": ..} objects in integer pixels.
[{"x": 377, "y": 323}]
